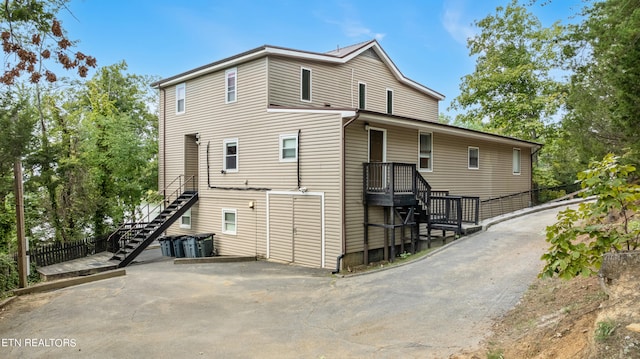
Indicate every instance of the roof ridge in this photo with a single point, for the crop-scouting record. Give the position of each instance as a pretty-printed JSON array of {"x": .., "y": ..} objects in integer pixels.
[{"x": 343, "y": 51}]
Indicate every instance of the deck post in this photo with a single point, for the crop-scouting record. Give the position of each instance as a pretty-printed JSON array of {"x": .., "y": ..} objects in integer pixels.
[
  {"x": 386, "y": 235},
  {"x": 366, "y": 235},
  {"x": 392, "y": 250}
]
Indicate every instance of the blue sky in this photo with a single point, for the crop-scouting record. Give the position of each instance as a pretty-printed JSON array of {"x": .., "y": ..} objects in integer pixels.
[{"x": 426, "y": 39}]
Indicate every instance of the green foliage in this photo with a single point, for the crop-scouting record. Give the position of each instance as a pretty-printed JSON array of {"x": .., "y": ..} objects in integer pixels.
[
  {"x": 8, "y": 273},
  {"x": 608, "y": 181},
  {"x": 604, "y": 95},
  {"x": 605, "y": 329},
  {"x": 511, "y": 91},
  {"x": 495, "y": 354}
]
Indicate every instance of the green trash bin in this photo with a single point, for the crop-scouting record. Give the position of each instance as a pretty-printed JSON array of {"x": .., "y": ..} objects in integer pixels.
[
  {"x": 200, "y": 245},
  {"x": 204, "y": 243}
]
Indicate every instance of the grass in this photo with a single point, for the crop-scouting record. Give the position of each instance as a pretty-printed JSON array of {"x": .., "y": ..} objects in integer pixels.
[
  {"x": 605, "y": 329},
  {"x": 495, "y": 354}
]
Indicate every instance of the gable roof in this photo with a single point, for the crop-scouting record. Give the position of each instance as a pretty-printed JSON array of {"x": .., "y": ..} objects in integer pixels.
[{"x": 338, "y": 56}]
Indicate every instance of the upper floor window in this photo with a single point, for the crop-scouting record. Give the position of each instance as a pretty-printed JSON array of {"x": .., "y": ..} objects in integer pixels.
[
  {"x": 231, "y": 155},
  {"x": 231, "y": 79},
  {"x": 474, "y": 158},
  {"x": 305, "y": 84},
  {"x": 362, "y": 95},
  {"x": 288, "y": 148},
  {"x": 389, "y": 101},
  {"x": 180, "y": 98},
  {"x": 426, "y": 148},
  {"x": 516, "y": 161}
]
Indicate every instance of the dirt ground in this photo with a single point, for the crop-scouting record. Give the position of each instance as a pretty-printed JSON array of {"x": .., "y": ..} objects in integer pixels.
[{"x": 569, "y": 319}]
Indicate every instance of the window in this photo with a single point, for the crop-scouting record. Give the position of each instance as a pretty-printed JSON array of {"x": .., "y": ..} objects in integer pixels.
[
  {"x": 229, "y": 218},
  {"x": 516, "y": 161},
  {"x": 389, "y": 101},
  {"x": 305, "y": 84},
  {"x": 231, "y": 155},
  {"x": 426, "y": 147},
  {"x": 474, "y": 158},
  {"x": 231, "y": 78},
  {"x": 362, "y": 95},
  {"x": 185, "y": 220},
  {"x": 180, "y": 98},
  {"x": 288, "y": 148}
]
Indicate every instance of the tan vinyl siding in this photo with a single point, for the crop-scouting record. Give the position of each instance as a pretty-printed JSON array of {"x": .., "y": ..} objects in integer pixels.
[
  {"x": 337, "y": 85},
  {"x": 280, "y": 228},
  {"x": 450, "y": 172},
  {"x": 493, "y": 178},
  {"x": 307, "y": 231},
  {"x": 295, "y": 228},
  {"x": 259, "y": 167}
]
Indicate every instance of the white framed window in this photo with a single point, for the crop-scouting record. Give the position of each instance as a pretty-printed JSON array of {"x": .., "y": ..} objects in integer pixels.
[
  {"x": 230, "y": 85},
  {"x": 362, "y": 95},
  {"x": 185, "y": 220},
  {"x": 305, "y": 84},
  {"x": 474, "y": 158},
  {"x": 181, "y": 96},
  {"x": 425, "y": 155},
  {"x": 288, "y": 148},
  {"x": 389, "y": 101},
  {"x": 230, "y": 150},
  {"x": 516, "y": 161},
  {"x": 229, "y": 221}
]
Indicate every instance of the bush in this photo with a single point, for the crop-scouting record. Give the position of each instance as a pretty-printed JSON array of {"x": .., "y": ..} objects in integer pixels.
[{"x": 607, "y": 224}]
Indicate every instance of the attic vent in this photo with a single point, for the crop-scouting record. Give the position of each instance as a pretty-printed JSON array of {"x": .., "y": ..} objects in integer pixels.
[{"x": 371, "y": 54}]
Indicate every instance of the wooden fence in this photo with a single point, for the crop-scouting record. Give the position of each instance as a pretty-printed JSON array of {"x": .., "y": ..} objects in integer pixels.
[{"x": 60, "y": 252}]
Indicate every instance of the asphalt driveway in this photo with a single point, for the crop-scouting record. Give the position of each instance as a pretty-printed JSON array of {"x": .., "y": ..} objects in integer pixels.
[{"x": 429, "y": 308}]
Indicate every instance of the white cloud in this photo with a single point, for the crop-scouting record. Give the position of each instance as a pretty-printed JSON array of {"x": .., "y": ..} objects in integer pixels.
[
  {"x": 350, "y": 24},
  {"x": 455, "y": 24}
]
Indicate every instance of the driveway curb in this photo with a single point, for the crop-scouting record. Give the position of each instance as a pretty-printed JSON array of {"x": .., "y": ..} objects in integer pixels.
[{"x": 63, "y": 283}]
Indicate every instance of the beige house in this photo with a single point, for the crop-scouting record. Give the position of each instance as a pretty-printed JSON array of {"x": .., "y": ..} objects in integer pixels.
[{"x": 277, "y": 143}]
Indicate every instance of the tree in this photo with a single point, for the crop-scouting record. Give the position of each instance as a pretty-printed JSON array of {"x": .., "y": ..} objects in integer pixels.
[
  {"x": 119, "y": 142},
  {"x": 31, "y": 35},
  {"x": 604, "y": 100},
  {"x": 511, "y": 91}
]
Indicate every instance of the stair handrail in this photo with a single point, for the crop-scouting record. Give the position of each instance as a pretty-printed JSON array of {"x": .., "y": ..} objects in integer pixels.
[
  {"x": 423, "y": 190},
  {"x": 160, "y": 207}
]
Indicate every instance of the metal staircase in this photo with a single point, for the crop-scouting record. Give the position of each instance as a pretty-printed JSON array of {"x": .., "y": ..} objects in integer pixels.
[{"x": 134, "y": 240}]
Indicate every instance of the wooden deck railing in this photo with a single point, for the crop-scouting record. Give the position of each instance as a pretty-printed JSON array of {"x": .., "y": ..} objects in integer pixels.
[{"x": 391, "y": 178}]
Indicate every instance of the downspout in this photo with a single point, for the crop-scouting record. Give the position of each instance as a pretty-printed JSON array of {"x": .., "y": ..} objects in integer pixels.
[
  {"x": 344, "y": 192},
  {"x": 298, "y": 159}
]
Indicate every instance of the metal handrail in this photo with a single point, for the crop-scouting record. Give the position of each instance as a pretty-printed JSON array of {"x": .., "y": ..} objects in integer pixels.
[{"x": 137, "y": 226}]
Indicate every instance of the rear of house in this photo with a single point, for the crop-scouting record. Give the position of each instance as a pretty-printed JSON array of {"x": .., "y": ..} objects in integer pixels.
[{"x": 274, "y": 141}]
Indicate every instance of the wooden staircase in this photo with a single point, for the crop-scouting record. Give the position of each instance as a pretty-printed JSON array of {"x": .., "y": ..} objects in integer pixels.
[
  {"x": 134, "y": 240},
  {"x": 408, "y": 197}
]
